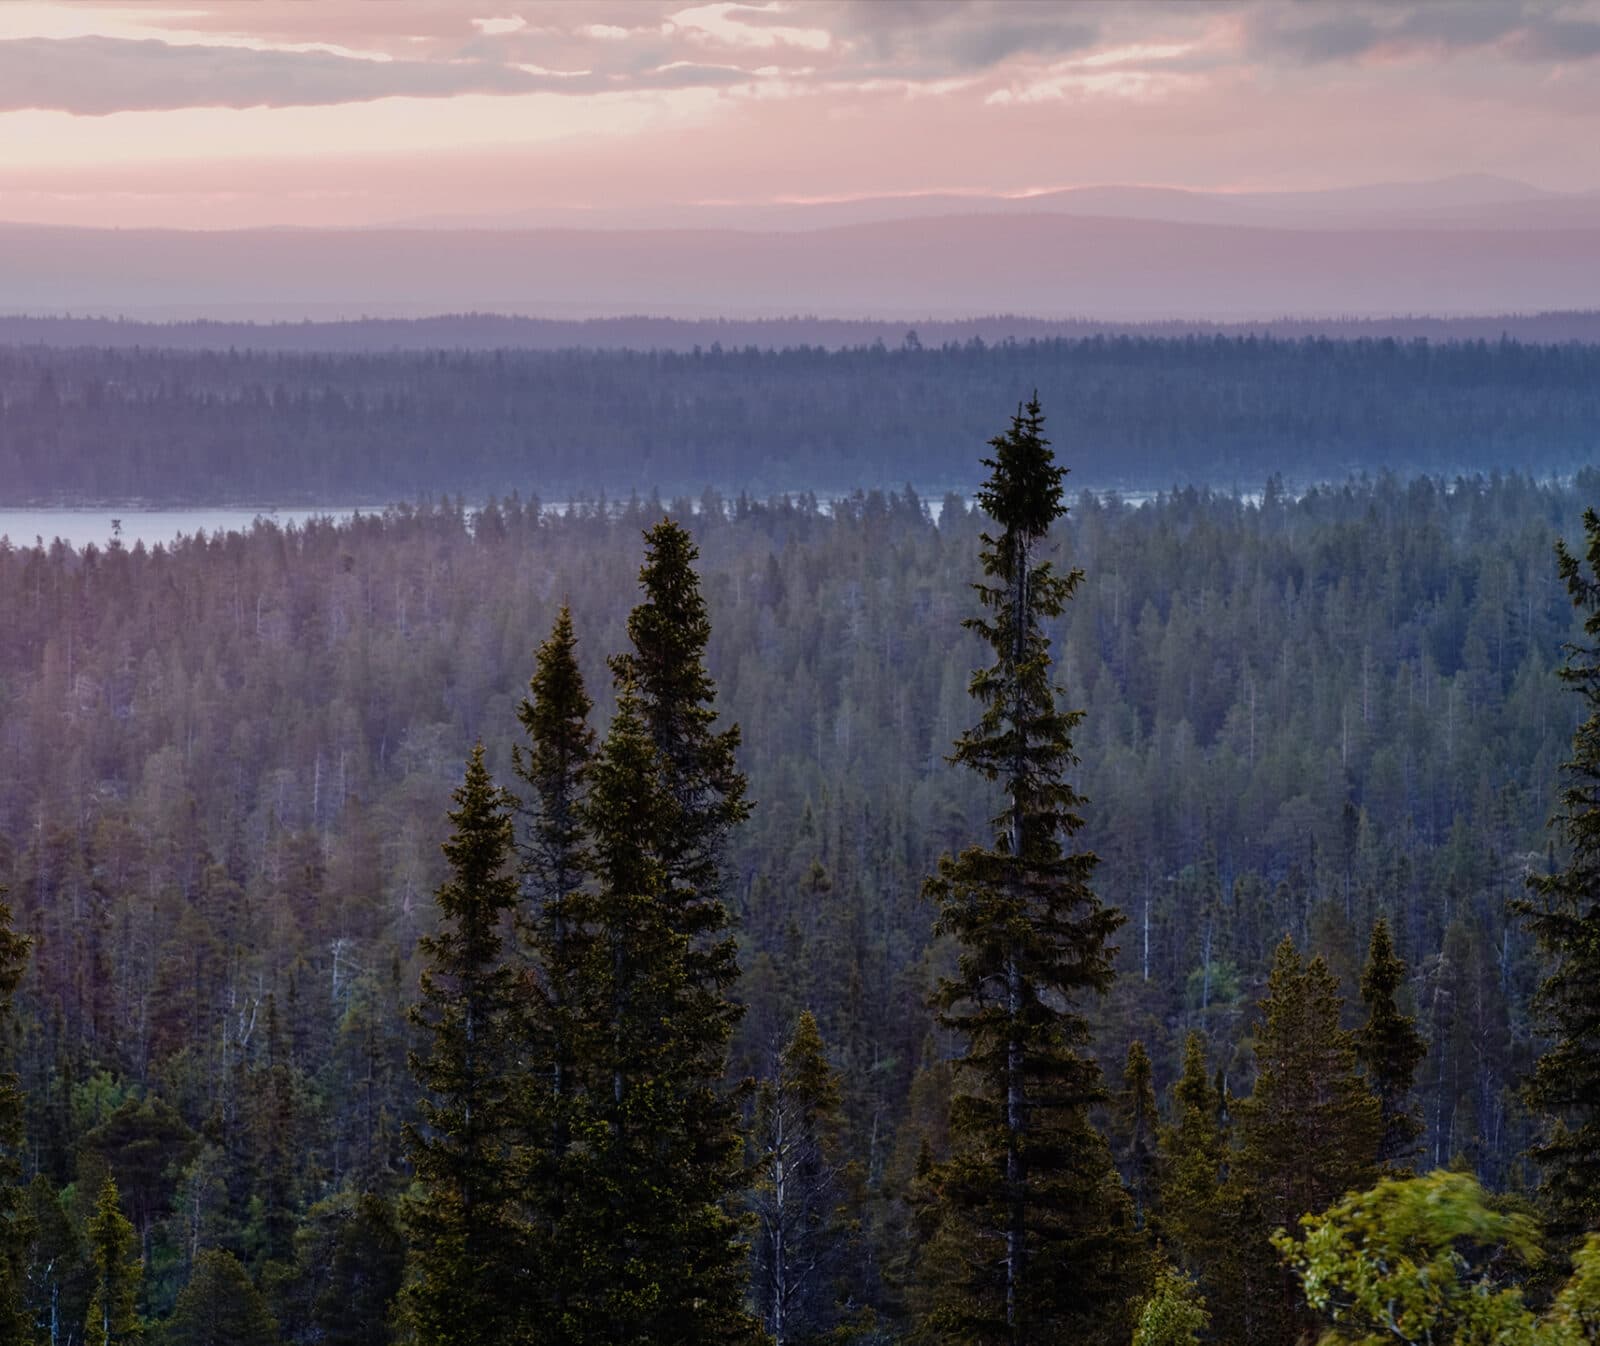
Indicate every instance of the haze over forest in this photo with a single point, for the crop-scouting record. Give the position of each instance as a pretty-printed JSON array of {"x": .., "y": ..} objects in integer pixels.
[{"x": 912, "y": 673}]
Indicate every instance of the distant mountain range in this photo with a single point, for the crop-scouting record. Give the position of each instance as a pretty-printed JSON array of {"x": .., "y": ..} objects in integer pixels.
[
  {"x": 1461, "y": 246},
  {"x": 1465, "y": 201}
]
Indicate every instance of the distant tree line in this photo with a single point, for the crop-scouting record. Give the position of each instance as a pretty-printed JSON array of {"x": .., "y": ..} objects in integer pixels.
[
  {"x": 507, "y": 331},
  {"x": 1223, "y": 930},
  {"x": 239, "y": 426}
]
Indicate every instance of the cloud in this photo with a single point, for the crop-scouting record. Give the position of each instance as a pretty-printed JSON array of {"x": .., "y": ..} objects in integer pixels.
[
  {"x": 1540, "y": 32},
  {"x": 96, "y": 76}
]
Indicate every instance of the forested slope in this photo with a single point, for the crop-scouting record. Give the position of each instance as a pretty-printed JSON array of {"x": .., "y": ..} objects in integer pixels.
[
  {"x": 224, "y": 765},
  {"x": 271, "y": 428}
]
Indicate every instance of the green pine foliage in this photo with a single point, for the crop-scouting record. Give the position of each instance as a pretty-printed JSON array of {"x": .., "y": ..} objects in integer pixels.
[
  {"x": 117, "y": 1272},
  {"x": 1311, "y": 1129},
  {"x": 220, "y": 1306},
  {"x": 1564, "y": 912},
  {"x": 1389, "y": 1046},
  {"x": 467, "y": 1276},
  {"x": 1137, "y": 1124},
  {"x": 803, "y": 1240},
  {"x": 1193, "y": 1159},
  {"x": 664, "y": 796},
  {"x": 659, "y": 1241},
  {"x": 556, "y": 923},
  {"x": 1035, "y": 1239},
  {"x": 665, "y": 670}
]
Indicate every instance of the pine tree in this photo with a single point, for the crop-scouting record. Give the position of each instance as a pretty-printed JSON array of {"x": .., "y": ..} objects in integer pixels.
[
  {"x": 556, "y": 928},
  {"x": 1311, "y": 1129},
  {"x": 1193, "y": 1155},
  {"x": 14, "y": 1222},
  {"x": 666, "y": 669},
  {"x": 1389, "y": 1047},
  {"x": 1564, "y": 912},
  {"x": 220, "y": 1307},
  {"x": 659, "y": 1241},
  {"x": 113, "y": 1257},
  {"x": 801, "y": 1238},
  {"x": 659, "y": 852},
  {"x": 466, "y": 1274},
  {"x": 1035, "y": 1238},
  {"x": 1137, "y": 1122}
]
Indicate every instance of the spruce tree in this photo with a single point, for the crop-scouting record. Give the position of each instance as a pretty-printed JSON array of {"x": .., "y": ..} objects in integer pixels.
[
  {"x": 1193, "y": 1156},
  {"x": 1035, "y": 1234},
  {"x": 1389, "y": 1047},
  {"x": 1137, "y": 1123},
  {"x": 675, "y": 846},
  {"x": 1311, "y": 1128},
  {"x": 669, "y": 631},
  {"x": 801, "y": 1237},
  {"x": 555, "y": 923},
  {"x": 220, "y": 1307},
  {"x": 465, "y": 1280},
  {"x": 1564, "y": 911},
  {"x": 14, "y": 1221},
  {"x": 116, "y": 1270},
  {"x": 659, "y": 1241}
]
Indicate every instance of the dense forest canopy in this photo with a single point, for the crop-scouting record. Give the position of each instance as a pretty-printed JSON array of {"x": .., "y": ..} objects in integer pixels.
[
  {"x": 249, "y": 427},
  {"x": 224, "y": 766}
]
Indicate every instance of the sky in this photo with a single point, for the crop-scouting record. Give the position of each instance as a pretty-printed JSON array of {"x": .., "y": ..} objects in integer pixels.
[{"x": 228, "y": 113}]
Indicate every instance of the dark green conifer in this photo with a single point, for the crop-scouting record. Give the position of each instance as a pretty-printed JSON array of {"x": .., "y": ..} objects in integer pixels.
[
  {"x": 556, "y": 927},
  {"x": 14, "y": 1221},
  {"x": 699, "y": 770},
  {"x": 116, "y": 1270},
  {"x": 660, "y": 1243},
  {"x": 220, "y": 1307},
  {"x": 802, "y": 1237},
  {"x": 1035, "y": 1241},
  {"x": 1193, "y": 1155},
  {"x": 1137, "y": 1122},
  {"x": 1389, "y": 1047},
  {"x": 1564, "y": 911},
  {"x": 466, "y": 1276},
  {"x": 1311, "y": 1128}
]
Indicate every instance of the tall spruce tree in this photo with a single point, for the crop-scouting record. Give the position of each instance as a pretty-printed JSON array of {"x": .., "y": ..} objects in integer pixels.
[
  {"x": 14, "y": 1220},
  {"x": 660, "y": 1243},
  {"x": 1310, "y": 1130},
  {"x": 1193, "y": 1152},
  {"x": 664, "y": 795},
  {"x": 1565, "y": 915},
  {"x": 116, "y": 1272},
  {"x": 1035, "y": 1239},
  {"x": 1137, "y": 1125},
  {"x": 801, "y": 1238},
  {"x": 466, "y": 1280},
  {"x": 1389, "y": 1047},
  {"x": 699, "y": 770},
  {"x": 556, "y": 927}
]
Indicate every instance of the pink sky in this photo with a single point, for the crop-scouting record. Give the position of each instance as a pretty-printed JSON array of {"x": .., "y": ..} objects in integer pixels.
[{"x": 217, "y": 113}]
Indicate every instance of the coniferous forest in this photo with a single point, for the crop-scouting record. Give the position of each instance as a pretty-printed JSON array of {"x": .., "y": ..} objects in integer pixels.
[
  {"x": 1140, "y": 411},
  {"x": 1028, "y": 920}
]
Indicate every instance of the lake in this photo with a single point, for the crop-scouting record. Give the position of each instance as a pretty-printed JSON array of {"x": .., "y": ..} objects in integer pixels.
[
  {"x": 150, "y": 526},
  {"x": 80, "y": 526}
]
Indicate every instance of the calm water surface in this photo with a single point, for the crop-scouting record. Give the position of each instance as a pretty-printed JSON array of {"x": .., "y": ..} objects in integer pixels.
[
  {"x": 150, "y": 526},
  {"x": 79, "y": 526}
]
